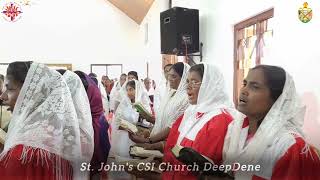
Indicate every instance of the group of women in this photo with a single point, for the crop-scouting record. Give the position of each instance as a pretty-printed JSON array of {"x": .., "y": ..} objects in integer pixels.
[{"x": 50, "y": 133}]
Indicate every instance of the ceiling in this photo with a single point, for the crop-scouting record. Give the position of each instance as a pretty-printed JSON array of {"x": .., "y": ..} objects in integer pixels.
[{"x": 135, "y": 9}]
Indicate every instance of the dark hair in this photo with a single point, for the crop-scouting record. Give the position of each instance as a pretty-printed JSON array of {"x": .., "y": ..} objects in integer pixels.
[
  {"x": 199, "y": 68},
  {"x": 167, "y": 65},
  {"x": 95, "y": 80},
  {"x": 123, "y": 74},
  {"x": 275, "y": 78},
  {"x": 131, "y": 84},
  {"x": 83, "y": 79},
  {"x": 19, "y": 70},
  {"x": 178, "y": 68},
  {"x": 61, "y": 71},
  {"x": 92, "y": 75},
  {"x": 133, "y": 73}
]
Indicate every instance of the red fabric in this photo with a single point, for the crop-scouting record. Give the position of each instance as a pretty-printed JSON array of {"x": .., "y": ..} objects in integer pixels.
[
  {"x": 15, "y": 170},
  {"x": 295, "y": 165},
  {"x": 209, "y": 142}
]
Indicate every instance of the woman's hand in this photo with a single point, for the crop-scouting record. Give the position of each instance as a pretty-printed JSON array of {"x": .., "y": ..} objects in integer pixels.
[
  {"x": 146, "y": 146},
  {"x": 137, "y": 139},
  {"x": 147, "y": 117},
  {"x": 125, "y": 129}
]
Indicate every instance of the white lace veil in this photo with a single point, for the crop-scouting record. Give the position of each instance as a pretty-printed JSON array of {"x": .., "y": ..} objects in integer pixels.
[
  {"x": 82, "y": 107},
  {"x": 285, "y": 116},
  {"x": 44, "y": 118},
  {"x": 173, "y": 104}
]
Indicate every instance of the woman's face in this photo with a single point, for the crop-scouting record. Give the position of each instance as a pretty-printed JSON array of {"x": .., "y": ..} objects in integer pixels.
[
  {"x": 123, "y": 80},
  {"x": 131, "y": 77},
  {"x": 131, "y": 93},
  {"x": 255, "y": 99},
  {"x": 174, "y": 79},
  {"x": 194, "y": 83},
  {"x": 166, "y": 71},
  {"x": 10, "y": 93}
]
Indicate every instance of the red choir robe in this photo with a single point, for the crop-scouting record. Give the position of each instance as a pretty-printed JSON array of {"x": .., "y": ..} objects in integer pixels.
[
  {"x": 208, "y": 141},
  {"x": 289, "y": 159},
  {"x": 12, "y": 168}
]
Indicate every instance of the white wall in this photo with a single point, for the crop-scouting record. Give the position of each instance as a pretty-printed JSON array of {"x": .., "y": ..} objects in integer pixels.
[
  {"x": 73, "y": 31},
  {"x": 151, "y": 49},
  {"x": 295, "y": 45}
]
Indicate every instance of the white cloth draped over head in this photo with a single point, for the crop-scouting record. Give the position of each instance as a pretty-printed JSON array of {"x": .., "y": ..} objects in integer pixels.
[
  {"x": 120, "y": 141},
  {"x": 285, "y": 117},
  {"x": 114, "y": 95},
  {"x": 173, "y": 104},
  {"x": 141, "y": 95},
  {"x": 159, "y": 93},
  {"x": 212, "y": 101},
  {"x": 83, "y": 112},
  {"x": 44, "y": 118}
]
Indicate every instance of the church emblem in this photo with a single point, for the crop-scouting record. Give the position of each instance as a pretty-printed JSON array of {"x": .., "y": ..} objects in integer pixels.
[
  {"x": 305, "y": 13},
  {"x": 11, "y": 12}
]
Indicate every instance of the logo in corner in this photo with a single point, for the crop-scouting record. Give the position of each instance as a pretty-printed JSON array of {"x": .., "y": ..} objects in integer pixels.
[
  {"x": 11, "y": 12},
  {"x": 305, "y": 13}
]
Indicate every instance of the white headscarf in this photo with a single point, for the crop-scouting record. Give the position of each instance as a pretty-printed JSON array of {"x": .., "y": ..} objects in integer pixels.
[
  {"x": 120, "y": 141},
  {"x": 285, "y": 116},
  {"x": 82, "y": 106},
  {"x": 140, "y": 96},
  {"x": 114, "y": 95},
  {"x": 44, "y": 118},
  {"x": 212, "y": 100},
  {"x": 159, "y": 93},
  {"x": 173, "y": 104}
]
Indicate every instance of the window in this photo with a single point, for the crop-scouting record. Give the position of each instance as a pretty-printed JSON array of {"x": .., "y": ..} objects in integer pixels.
[
  {"x": 252, "y": 41},
  {"x": 113, "y": 71}
]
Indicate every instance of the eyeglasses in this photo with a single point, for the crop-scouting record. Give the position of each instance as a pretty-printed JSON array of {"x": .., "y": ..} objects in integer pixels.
[{"x": 193, "y": 84}]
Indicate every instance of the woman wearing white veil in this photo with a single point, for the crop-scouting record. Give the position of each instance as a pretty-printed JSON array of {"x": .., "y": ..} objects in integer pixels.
[
  {"x": 161, "y": 88},
  {"x": 269, "y": 134},
  {"x": 82, "y": 106},
  {"x": 43, "y": 139},
  {"x": 173, "y": 104},
  {"x": 131, "y": 92},
  {"x": 204, "y": 124},
  {"x": 115, "y": 93}
]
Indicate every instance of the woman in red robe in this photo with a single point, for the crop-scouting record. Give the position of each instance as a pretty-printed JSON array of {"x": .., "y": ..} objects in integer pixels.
[
  {"x": 43, "y": 139},
  {"x": 204, "y": 124},
  {"x": 269, "y": 134}
]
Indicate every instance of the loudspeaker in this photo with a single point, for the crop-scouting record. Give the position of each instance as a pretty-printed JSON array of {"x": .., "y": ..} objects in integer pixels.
[{"x": 179, "y": 29}]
